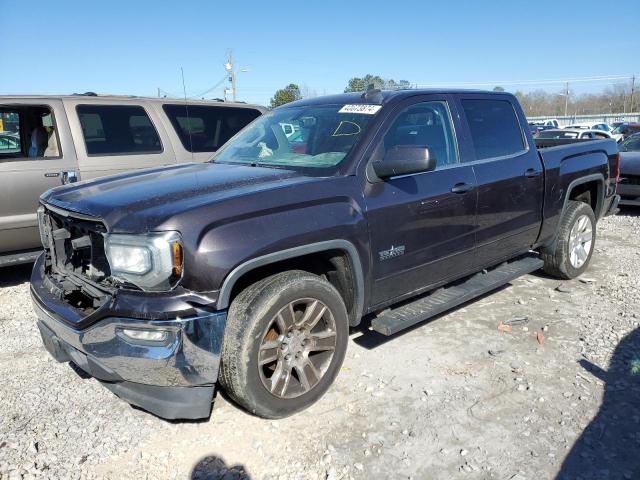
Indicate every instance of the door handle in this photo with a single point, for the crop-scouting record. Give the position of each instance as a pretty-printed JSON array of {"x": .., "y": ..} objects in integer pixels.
[
  {"x": 532, "y": 173},
  {"x": 461, "y": 188}
]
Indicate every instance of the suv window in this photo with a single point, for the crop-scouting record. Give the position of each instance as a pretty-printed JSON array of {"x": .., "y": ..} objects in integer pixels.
[
  {"x": 9, "y": 133},
  {"x": 118, "y": 130},
  {"x": 28, "y": 131},
  {"x": 494, "y": 127},
  {"x": 203, "y": 128},
  {"x": 425, "y": 124}
]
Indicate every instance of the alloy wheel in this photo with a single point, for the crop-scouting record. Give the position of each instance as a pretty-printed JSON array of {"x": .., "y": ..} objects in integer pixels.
[
  {"x": 580, "y": 241},
  {"x": 297, "y": 348}
]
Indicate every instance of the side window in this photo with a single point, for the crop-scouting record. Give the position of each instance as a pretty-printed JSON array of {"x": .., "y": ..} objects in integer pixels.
[
  {"x": 203, "y": 128},
  {"x": 117, "y": 130},
  {"x": 27, "y": 131},
  {"x": 10, "y": 145},
  {"x": 495, "y": 129},
  {"x": 424, "y": 124}
]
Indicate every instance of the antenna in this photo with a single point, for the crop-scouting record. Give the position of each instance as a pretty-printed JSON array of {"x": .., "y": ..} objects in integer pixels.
[{"x": 186, "y": 107}]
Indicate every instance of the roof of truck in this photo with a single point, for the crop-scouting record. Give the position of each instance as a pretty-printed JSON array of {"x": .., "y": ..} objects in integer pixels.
[
  {"x": 120, "y": 98},
  {"x": 385, "y": 96}
]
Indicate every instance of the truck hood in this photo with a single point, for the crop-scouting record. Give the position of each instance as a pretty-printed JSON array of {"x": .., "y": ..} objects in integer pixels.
[
  {"x": 147, "y": 198},
  {"x": 629, "y": 163}
]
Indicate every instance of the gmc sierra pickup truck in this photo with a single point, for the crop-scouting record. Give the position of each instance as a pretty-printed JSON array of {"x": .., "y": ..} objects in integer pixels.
[{"x": 248, "y": 271}]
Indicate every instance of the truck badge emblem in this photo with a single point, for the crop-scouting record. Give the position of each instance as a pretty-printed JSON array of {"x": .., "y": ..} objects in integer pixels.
[{"x": 391, "y": 253}]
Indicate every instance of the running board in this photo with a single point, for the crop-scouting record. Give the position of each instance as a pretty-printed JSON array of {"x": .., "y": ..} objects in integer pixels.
[
  {"x": 397, "y": 319},
  {"x": 18, "y": 258}
]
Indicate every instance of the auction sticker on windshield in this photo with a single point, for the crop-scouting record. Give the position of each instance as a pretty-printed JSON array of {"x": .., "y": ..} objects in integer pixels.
[{"x": 360, "y": 108}]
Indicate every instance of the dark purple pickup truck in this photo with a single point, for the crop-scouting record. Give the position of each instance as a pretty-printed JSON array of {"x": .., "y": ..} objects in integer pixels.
[{"x": 248, "y": 271}]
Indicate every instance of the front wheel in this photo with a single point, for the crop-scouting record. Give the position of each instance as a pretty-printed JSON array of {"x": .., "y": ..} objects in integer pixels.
[
  {"x": 575, "y": 243},
  {"x": 285, "y": 340}
]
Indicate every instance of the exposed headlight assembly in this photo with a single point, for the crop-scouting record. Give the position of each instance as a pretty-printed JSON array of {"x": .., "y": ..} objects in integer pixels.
[
  {"x": 151, "y": 262},
  {"x": 42, "y": 226}
]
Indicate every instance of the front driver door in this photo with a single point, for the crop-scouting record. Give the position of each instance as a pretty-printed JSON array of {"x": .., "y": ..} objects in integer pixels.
[{"x": 421, "y": 225}]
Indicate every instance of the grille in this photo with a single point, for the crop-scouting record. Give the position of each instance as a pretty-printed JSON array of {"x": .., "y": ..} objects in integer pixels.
[{"x": 75, "y": 245}]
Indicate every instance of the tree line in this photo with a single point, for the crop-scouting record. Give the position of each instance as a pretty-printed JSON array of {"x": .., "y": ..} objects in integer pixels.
[
  {"x": 616, "y": 98},
  {"x": 613, "y": 99}
]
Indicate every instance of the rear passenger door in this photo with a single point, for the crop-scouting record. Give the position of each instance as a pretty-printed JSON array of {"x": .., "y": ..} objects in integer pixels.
[
  {"x": 509, "y": 175},
  {"x": 113, "y": 137},
  {"x": 36, "y": 154}
]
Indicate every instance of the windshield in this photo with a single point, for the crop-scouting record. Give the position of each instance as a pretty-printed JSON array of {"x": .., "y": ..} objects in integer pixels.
[
  {"x": 631, "y": 144},
  {"x": 313, "y": 138}
]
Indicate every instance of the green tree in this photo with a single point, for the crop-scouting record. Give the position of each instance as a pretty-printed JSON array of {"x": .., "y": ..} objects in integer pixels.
[
  {"x": 290, "y": 93},
  {"x": 360, "y": 84},
  {"x": 357, "y": 84},
  {"x": 498, "y": 88}
]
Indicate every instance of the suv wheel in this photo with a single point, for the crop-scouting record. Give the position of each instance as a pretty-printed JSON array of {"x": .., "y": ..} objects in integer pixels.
[
  {"x": 575, "y": 244},
  {"x": 285, "y": 340}
]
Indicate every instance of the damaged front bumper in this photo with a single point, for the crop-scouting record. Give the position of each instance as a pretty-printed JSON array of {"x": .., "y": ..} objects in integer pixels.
[{"x": 173, "y": 377}]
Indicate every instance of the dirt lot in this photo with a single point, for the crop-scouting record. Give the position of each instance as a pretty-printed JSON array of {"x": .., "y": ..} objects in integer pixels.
[{"x": 453, "y": 398}]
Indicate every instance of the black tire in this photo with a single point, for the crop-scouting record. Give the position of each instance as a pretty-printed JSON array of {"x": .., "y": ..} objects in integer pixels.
[
  {"x": 557, "y": 261},
  {"x": 250, "y": 317}
]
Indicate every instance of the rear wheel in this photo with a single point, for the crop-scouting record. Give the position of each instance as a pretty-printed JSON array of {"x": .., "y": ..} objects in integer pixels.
[
  {"x": 285, "y": 341},
  {"x": 575, "y": 243}
]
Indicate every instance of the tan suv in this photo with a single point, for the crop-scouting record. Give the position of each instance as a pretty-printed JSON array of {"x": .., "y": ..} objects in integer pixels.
[{"x": 48, "y": 141}]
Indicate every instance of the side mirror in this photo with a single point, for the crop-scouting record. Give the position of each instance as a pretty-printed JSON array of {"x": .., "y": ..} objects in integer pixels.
[{"x": 404, "y": 160}]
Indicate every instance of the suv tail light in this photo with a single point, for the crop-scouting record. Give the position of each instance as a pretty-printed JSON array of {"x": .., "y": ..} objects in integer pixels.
[{"x": 618, "y": 167}]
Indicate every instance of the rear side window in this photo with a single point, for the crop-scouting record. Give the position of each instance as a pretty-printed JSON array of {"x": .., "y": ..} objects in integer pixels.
[
  {"x": 495, "y": 129},
  {"x": 203, "y": 128},
  {"x": 118, "y": 130}
]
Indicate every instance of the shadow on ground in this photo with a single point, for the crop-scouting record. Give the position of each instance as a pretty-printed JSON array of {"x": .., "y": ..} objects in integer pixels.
[
  {"x": 610, "y": 446},
  {"x": 15, "y": 275},
  {"x": 214, "y": 468}
]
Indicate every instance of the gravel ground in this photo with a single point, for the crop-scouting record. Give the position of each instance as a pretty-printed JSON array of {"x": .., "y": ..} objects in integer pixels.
[{"x": 454, "y": 398}]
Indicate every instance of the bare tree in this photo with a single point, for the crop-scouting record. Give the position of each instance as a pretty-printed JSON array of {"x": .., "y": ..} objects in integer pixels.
[{"x": 612, "y": 99}]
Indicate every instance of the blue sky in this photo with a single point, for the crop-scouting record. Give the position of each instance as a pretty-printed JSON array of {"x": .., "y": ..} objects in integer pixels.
[{"x": 134, "y": 47}]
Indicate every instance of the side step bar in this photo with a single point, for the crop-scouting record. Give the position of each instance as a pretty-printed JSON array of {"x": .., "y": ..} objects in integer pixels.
[
  {"x": 18, "y": 258},
  {"x": 397, "y": 319}
]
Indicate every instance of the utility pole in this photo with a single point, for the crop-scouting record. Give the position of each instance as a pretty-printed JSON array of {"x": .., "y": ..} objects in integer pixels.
[
  {"x": 566, "y": 99},
  {"x": 633, "y": 88},
  {"x": 230, "y": 68},
  {"x": 158, "y": 92}
]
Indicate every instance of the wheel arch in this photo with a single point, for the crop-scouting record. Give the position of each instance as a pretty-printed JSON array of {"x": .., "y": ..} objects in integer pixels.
[
  {"x": 246, "y": 268},
  {"x": 578, "y": 187}
]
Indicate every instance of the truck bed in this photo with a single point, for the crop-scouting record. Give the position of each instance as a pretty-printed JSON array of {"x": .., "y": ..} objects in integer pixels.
[{"x": 570, "y": 161}]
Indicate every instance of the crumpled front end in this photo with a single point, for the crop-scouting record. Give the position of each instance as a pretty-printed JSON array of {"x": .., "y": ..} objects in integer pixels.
[{"x": 159, "y": 351}]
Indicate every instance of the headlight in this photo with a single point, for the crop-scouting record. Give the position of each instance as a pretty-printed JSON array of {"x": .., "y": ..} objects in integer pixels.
[
  {"x": 42, "y": 226},
  {"x": 151, "y": 262}
]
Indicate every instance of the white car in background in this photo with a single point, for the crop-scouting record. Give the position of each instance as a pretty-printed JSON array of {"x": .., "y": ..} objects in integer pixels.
[
  {"x": 549, "y": 122},
  {"x": 578, "y": 133},
  {"x": 590, "y": 126}
]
